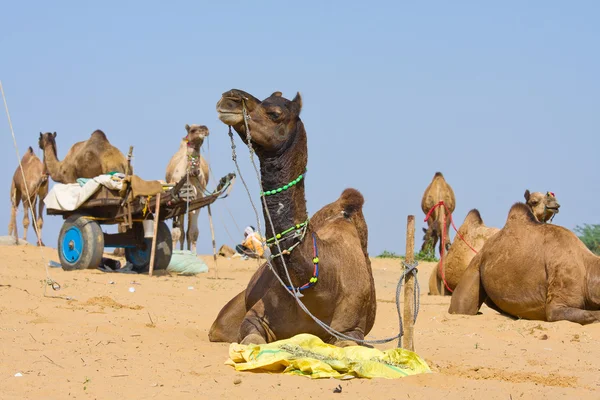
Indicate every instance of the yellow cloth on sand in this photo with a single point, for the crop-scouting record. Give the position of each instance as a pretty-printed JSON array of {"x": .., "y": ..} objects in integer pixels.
[{"x": 307, "y": 355}]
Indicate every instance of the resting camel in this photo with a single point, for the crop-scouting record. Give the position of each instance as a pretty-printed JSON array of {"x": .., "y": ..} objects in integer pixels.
[
  {"x": 475, "y": 233},
  {"x": 87, "y": 159},
  {"x": 532, "y": 270},
  {"x": 37, "y": 187},
  {"x": 343, "y": 293},
  {"x": 186, "y": 159},
  {"x": 437, "y": 191},
  {"x": 544, "y": 206}
]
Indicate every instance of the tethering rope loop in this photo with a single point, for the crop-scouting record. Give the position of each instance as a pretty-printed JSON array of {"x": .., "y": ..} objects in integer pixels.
[
  {"x": 49, "y": 281},
  {"x": 294, "y": 292}
]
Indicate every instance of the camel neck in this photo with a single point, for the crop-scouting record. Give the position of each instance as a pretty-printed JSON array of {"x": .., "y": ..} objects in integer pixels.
[
  {"x": 52, "y": 163},
  {"x": 287, "y": 207}
]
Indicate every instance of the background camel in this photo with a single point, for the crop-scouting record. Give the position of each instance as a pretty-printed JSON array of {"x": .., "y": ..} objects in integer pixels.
[
  {"x": 544, "y": 206},
  {"x": 532, "y": 270},
  {"x": 437, "y": 191},
  {"x": 343, "y": 295},
  {"x": 87, "y": 159},
  {"x": 188, "y": 159},
  {"x": 475, "y": 233},
  {"x": 37, "y": 187}
]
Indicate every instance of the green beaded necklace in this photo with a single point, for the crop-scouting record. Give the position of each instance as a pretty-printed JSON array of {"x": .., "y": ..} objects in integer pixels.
[{"x": 284, "y": 187}]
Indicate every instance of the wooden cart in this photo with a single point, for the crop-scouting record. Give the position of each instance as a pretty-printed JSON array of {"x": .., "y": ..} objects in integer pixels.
[{"x": 81, "y": 241}]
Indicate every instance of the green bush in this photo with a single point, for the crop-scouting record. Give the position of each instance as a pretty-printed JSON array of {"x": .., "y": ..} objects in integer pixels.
[
  {"x": 428, "y": 256},
  {"x": 590, "y": 236},
  {"x": 389, "y": 254}
]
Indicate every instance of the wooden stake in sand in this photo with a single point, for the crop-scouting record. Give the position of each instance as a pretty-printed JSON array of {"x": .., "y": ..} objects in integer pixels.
[
  {"x": 156, "y": 221},
  {"x": 409, "y": 287},
  {"x": 214, "y": 243}
]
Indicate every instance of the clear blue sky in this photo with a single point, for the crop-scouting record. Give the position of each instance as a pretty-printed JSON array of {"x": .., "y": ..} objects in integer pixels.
[{"x": 500, "y": 97}]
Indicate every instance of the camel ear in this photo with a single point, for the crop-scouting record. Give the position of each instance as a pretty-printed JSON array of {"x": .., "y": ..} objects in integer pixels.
[
  {"x": 424, "y": 230},
  {"x": 54, "y": 135},
  {"x": 187, "y": 127},
  {"x": 276, "y": 94},
  {"x": 297, "y": 102},
  {"x": 41, "y": 135},
  {"x": 527, "y": 194}
]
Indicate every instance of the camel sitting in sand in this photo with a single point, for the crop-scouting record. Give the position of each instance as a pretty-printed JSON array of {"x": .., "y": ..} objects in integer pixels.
[
  {"x": 188, "y": 160},
  {"x": 534, "y": 271},
  {"x": 475, "y": 234},
  {"x": 86, "y": 159},
  {"x": 544, "y": 206},
  {"x": 337, "y": 285},
  {"x": 36, "y": 185},
  {"x": 438, "y": 190}
]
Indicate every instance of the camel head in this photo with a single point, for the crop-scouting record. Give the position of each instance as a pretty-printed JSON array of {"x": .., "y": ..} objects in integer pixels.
[
  {"x": 273, "y": 122},
  {"x": 543, "y": 206},
  {"x": 196, "y": 134},
  {"x": 47, "y": 139},
  {"x": 430, "y": 237}
]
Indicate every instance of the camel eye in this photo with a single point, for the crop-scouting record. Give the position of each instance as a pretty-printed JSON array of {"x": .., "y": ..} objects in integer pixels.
[
  {"x": 274, "y": 115},
  {"x": 534, "y": 202}
]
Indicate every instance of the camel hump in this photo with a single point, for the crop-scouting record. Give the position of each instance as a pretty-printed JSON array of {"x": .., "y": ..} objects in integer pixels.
[
  {"x": 351, "y": 201},
  {"x": 521, "y": 212},
  {"x": 474, "y": 217},
  {"x": 30, "y": 150},
  {"x": 99, "y": 134},
  {"x": 438, "y": 175}
]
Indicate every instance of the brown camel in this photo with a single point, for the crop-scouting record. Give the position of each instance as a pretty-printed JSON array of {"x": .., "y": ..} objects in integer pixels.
[
  {"x": 343, "y": 294},
  {"x": 37, "y": 187},
  {"x": 438, "y": 190},
  {"x": 475, "y": 234},
  {"x": 188, "y": 159},
  {"x": 532, "y": 270},
  {"x": 544, "y": 206},
  {"x": 87, "y": 159}
]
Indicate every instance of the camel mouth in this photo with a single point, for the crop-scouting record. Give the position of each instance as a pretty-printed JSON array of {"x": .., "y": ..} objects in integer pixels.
[
  {"x": 553, "y": 210},
  {"x": 230, "y": 117}
]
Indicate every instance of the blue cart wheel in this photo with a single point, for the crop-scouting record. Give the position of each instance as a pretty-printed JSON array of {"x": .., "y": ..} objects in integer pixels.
[
  {"x": 139, "y": 256},
  {"x": 80, "y": 243}
]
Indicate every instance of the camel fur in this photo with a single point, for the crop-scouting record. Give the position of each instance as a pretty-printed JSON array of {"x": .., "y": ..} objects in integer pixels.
[
  {"x": 36, "y": 184},
  {"x": 86, "y": 159},
  {"x": 544, "y": 206},
  {"x": 188, "y": 159},
  {"x": 438, "y": 190},
  {"x": 344, "y": 295},
  {"x": 532, "y": 270}
]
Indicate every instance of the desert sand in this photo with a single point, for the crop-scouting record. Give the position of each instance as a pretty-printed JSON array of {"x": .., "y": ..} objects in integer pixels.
[{"x": 95, "y": 339}]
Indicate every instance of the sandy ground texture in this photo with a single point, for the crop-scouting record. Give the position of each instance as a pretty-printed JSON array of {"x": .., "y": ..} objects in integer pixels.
[{"x": 97, "y": 340}]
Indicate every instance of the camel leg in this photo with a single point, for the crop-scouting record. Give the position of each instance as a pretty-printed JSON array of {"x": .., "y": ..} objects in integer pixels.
[
  {"x": 448, "y": 243},
  {"x": 434, "y": 283},
  {"x": 560, "y": 312},
  {"x": 25, "y": 219},
  {"x": 35, "y": 219},
  {"x": 357, "y": 334},
  {"x": 40, "y": 220},
  {"x": 469, "y": 294},
  {"x": 12, "y": 225},
  {"x": 192, "y": 233},
  {"x": 176, "y": 231},
  {"x": 254, "y": 326}
]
